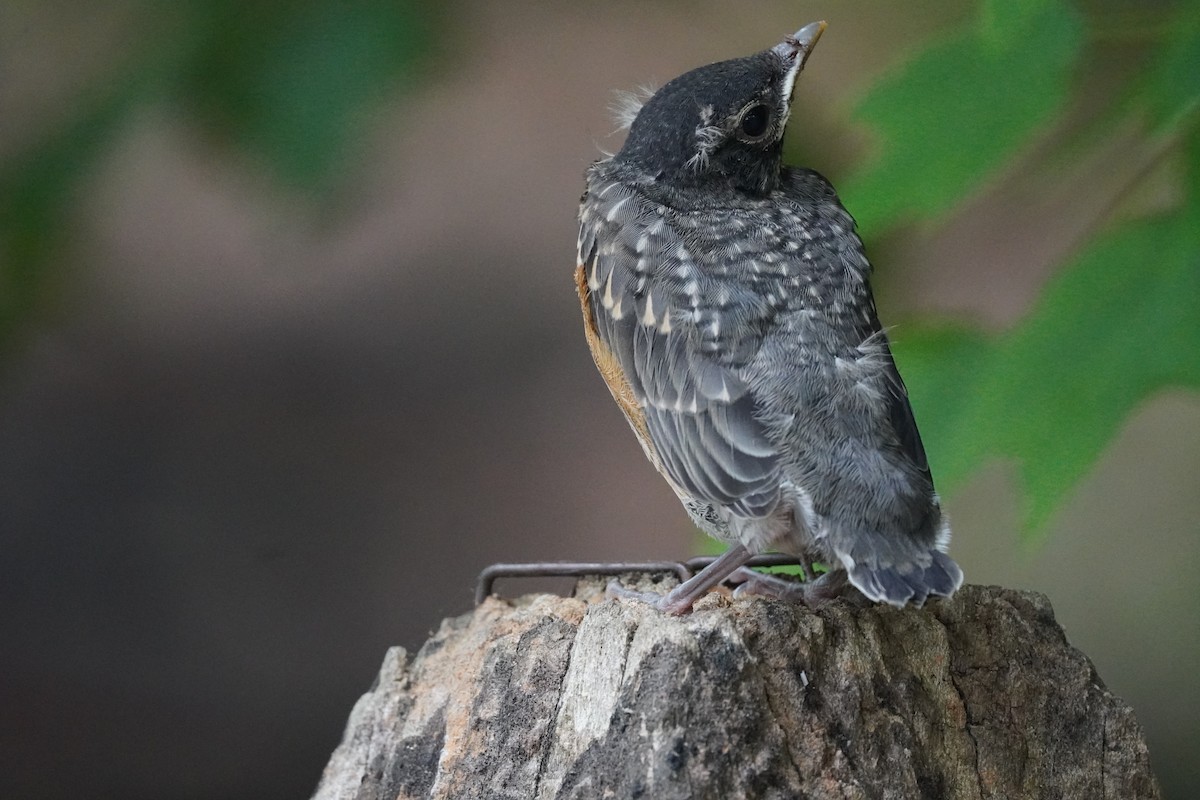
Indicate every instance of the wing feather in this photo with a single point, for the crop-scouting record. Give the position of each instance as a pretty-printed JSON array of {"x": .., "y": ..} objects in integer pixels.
[{"x": 697, "y": 411}]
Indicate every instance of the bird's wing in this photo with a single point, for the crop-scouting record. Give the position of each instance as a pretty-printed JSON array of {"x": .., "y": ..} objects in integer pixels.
[{"x": 671, "y": 360}]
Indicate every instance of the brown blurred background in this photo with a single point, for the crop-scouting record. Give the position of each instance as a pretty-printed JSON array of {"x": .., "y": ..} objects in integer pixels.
[{"x": 249, "y": 439}]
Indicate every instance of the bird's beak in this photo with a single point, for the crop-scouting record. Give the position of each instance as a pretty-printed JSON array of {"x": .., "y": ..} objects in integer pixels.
[
  {"x": 800, "y": 44},
  {"x": 795, "y": 49}
]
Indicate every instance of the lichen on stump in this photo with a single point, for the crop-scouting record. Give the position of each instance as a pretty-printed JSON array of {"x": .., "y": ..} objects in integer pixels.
[{"x": 546, "y": 697}]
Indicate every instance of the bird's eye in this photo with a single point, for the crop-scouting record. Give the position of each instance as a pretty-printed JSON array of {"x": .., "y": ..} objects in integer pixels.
[{"x": 755, "y": 121}]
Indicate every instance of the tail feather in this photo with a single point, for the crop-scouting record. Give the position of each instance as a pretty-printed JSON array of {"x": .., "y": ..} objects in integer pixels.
[{"x": 900, "y": 585}]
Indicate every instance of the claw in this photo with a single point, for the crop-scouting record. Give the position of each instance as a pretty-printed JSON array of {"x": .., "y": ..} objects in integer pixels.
[
  {"x": 668, "y": 603},
  {"x": 681, "y": 599},
  {"x": 811, "y": 592}
]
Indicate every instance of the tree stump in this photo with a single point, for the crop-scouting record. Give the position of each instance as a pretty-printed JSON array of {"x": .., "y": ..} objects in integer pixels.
[{"x": 547, "y": 697}]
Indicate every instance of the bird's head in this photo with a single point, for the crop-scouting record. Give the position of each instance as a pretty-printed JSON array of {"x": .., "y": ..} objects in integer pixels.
[{"x": 721, "y": 125}]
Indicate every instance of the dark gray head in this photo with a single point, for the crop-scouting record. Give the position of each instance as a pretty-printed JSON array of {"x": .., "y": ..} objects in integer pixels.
[{"x": 721, "y": 125}]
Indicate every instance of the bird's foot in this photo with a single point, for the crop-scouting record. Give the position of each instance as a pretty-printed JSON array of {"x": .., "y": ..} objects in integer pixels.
[
  {"x": 681, "y": 599},
  {"x": 673, "y": 602},
  {"x": 811, "y": 592}
]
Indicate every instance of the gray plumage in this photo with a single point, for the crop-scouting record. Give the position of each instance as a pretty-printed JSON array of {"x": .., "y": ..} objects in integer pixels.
[{"x": 734, "y": 294}]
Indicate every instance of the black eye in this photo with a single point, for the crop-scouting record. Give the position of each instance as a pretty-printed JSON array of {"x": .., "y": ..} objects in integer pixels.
[{"x": 755, "y": 121}]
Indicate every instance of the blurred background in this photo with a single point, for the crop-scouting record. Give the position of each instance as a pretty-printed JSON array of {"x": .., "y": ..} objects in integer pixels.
[{"x": 290, "y": 350}]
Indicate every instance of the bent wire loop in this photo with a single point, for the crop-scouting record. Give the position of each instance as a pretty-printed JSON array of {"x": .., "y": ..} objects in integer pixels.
[{"x": 576, "y": 569}]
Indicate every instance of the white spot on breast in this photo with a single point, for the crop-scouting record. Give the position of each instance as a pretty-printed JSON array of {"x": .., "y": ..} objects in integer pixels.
[
  {"x": 593, "y": 278},
  {"x": 607, "y": 299}
]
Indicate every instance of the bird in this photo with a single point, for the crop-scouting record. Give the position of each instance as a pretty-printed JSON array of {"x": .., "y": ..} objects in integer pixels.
[{"x": 727, "y": 305}]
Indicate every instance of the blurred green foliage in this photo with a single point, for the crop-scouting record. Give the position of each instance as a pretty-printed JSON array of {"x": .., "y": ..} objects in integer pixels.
[
  {"x": 956, "y": 111},
  {"x": 1119, "y": 322},
  {"x": 286, "y": 81}
]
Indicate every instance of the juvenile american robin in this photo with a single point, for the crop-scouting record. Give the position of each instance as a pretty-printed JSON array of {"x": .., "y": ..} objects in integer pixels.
[{"x": 727, "y": 304}]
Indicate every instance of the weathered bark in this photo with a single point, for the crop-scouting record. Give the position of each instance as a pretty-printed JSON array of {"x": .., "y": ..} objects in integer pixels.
[{"x": 548, "y": 697}]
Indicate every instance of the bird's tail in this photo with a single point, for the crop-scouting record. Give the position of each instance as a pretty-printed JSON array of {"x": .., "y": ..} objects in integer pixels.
[{"x": 909, "y": 583}]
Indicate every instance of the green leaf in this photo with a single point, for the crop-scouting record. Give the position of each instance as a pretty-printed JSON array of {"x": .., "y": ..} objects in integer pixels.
[
  {"x": 1118, "y": 324},
  {"x": 1173, "y": 86},
  {"x": 952, "y": 115},
  {"x": 292, "y": 81},
  {"x": 1121, "y": 322}
]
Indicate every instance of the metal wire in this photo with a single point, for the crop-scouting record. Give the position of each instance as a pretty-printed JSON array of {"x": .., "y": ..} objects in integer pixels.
[{"x": 576, "y": 569}]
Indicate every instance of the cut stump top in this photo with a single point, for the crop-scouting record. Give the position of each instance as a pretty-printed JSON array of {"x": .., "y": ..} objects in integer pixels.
[{"x": 547, "y": 697}]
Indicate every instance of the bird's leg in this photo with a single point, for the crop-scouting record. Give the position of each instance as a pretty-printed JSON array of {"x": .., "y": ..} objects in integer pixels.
[
  {"x": 680, "y": 599},
  {"x": 811, "y": 592},
  {"x": 806, "y": 566}
]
